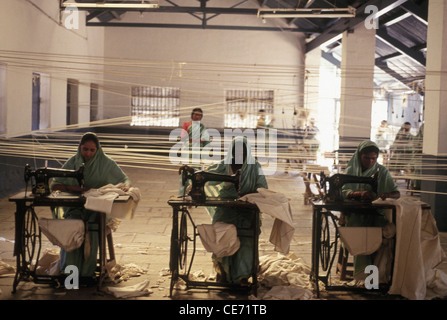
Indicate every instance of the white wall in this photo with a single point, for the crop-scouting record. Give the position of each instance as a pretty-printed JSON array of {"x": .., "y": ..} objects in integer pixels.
[
  {"x": 203, "y": 63},
  {"x": 35, "y": 39}
]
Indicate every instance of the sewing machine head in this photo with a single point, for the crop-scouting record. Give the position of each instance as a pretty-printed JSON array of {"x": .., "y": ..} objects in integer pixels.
[
  {"x": 43, "y": 175},
  {"x": 199, "y": 178},
  {"x": 337, "y": 181}
]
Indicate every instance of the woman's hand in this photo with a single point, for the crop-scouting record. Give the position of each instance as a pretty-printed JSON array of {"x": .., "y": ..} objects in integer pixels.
[
  {"x": 391, "y": 195},
  {"x": 125, "y": 187},
  {"x": 361, "y": 195},
  {"x": 70, "y": 189}
]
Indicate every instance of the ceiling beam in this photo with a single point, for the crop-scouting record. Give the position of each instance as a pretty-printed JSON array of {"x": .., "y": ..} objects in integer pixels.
[
  {"x": 192, "y": 26},
  {"x": 379, "y": 64},
  {"x": 420, "y": 13},
  {"x": 398, "y": 46},
  {"x": 179, "y": 9},
  {"x": 344, "y": 24}
]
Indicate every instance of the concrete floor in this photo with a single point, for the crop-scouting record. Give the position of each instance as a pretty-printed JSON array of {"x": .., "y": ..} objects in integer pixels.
[{"x": 144, "y": 241}]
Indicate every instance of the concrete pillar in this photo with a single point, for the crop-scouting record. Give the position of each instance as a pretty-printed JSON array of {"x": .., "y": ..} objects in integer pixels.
[
  {"x": 312, "y": 82},
  {"x": 435, "y": 117},
  {"x": 357, "y": 84}
]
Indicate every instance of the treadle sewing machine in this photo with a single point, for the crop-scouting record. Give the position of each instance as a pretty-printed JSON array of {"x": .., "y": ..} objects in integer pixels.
[
  {"x": 337, "y": 181},
  {"x": 184, "y": 229},
  {"x": 27, "y": 244},
  {"x": 199, "y": 178},
  {"x": 43, "y": 175},
  {"x": 325, "y": 234}
]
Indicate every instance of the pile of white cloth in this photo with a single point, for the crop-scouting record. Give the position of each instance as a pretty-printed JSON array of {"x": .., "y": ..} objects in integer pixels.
[
  {"x": 220, "y": 238},
  {"x": 6, "y": 269},
  {"x": 276, "y": 205},
  {"x": 103, "y": 200},
  {"x": 286, "y": 277},
  {"x": 420, "y": 263},
  {"x": 69, "y": 234}
]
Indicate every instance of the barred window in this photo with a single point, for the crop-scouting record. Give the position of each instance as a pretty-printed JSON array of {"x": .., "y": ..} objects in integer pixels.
[
  {"x": 155, "y": 106},
  {"x": 242, "y": 107}
]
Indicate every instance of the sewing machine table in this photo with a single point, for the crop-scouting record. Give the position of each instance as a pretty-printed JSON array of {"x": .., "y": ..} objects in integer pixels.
[
  {"x": 323, "y": 243},
  {"x": 180, "y": 238},
  {"x": 28, "y": 235}
]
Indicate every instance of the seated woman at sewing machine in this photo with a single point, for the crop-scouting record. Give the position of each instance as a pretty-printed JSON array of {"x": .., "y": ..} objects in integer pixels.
[
  {"x": 364, "y": 164},
  {"x": 237, "y": 268},
  {"x": 99, "y": 171}
]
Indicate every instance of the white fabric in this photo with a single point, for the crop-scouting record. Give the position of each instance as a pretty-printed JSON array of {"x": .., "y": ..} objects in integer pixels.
[
  {"x": 286, "y": 276},
  {"x": 65, "y": 233},
  {"x": 361, "y": 240},
  {"x": 419, "y": 254},
  {"x": 49, "y": 263},
  {"x": 284, "y": 270},
  {"x": 220, "y": 238},
  {"x": 100, "y": 202},
  {"x": 103, "y": 200},
  {"x": 276, "y": 205},
  {"x": 138, "y": 290},
  {"x": 117, "y": 273},
  {"x": 383, "y": 258},
  {"x": 6, "y": 269},
  {"x": 288, "y": 293}
]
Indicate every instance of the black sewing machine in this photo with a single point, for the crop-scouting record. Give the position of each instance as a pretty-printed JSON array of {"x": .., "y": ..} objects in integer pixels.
[
  {"x": 199, "y": 178},
  {"x": 337, "y": 181},
  {"x": 43, "y": 175}
]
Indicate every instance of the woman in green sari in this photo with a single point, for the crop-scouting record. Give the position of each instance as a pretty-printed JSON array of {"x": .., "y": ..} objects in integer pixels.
[
  {"x": 237, "y": 268},
  {"x": 99, "y": 171},
  {"x": 364, "y": 164}
]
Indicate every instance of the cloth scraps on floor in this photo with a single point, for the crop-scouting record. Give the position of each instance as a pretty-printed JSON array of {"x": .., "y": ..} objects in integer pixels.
[
  {"x": 137, "y": 290},
  {"x": 6, "y": 270},
  {"x": 286, "y": 276}
]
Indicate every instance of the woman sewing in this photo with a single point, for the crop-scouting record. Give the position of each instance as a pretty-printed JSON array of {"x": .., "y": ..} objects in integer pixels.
[
  {"x": 99, "y": 171},
  {"x": 364, "y": 164},
  {"x": 237, "y": 268}
]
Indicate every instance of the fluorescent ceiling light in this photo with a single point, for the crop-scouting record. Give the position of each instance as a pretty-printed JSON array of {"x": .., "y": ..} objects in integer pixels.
[
  {"x": 103, "y": 5},
  {"x": 307, "y": 13}
]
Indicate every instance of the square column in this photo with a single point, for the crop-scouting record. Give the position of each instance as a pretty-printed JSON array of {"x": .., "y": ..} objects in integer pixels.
[
  {"x": 357, "y": 86},
  {"x": 435, "y": 117}
]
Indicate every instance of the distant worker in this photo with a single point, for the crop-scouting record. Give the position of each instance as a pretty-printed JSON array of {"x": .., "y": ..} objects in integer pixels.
[
  {"x": 262, "y": 122},
  {"x": 402, "y": 148},
  {"x": 382, "y": 135},
  {"x": 194, "y": 128}
]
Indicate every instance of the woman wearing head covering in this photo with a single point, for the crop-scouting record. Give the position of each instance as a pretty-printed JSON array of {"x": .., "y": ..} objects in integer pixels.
[
  {"x": 99, "y": 171},
  {"x": 364, "y": 164},
  {"x": 194, "y": 131},
  {"x": 238, "y": 267}
]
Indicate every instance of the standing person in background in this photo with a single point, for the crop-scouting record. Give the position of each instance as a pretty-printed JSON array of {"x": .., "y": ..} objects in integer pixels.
[
  {"x": 382, "y": 135},
  {"x": 415, "y": 165},
  {"x": 402, "y": 148},
  {"x": 311, "y": 142},
  {"x": 195, "y": 127},
  {"x": 382, "y": 141},
  {"x": 262, "y": 124}
]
